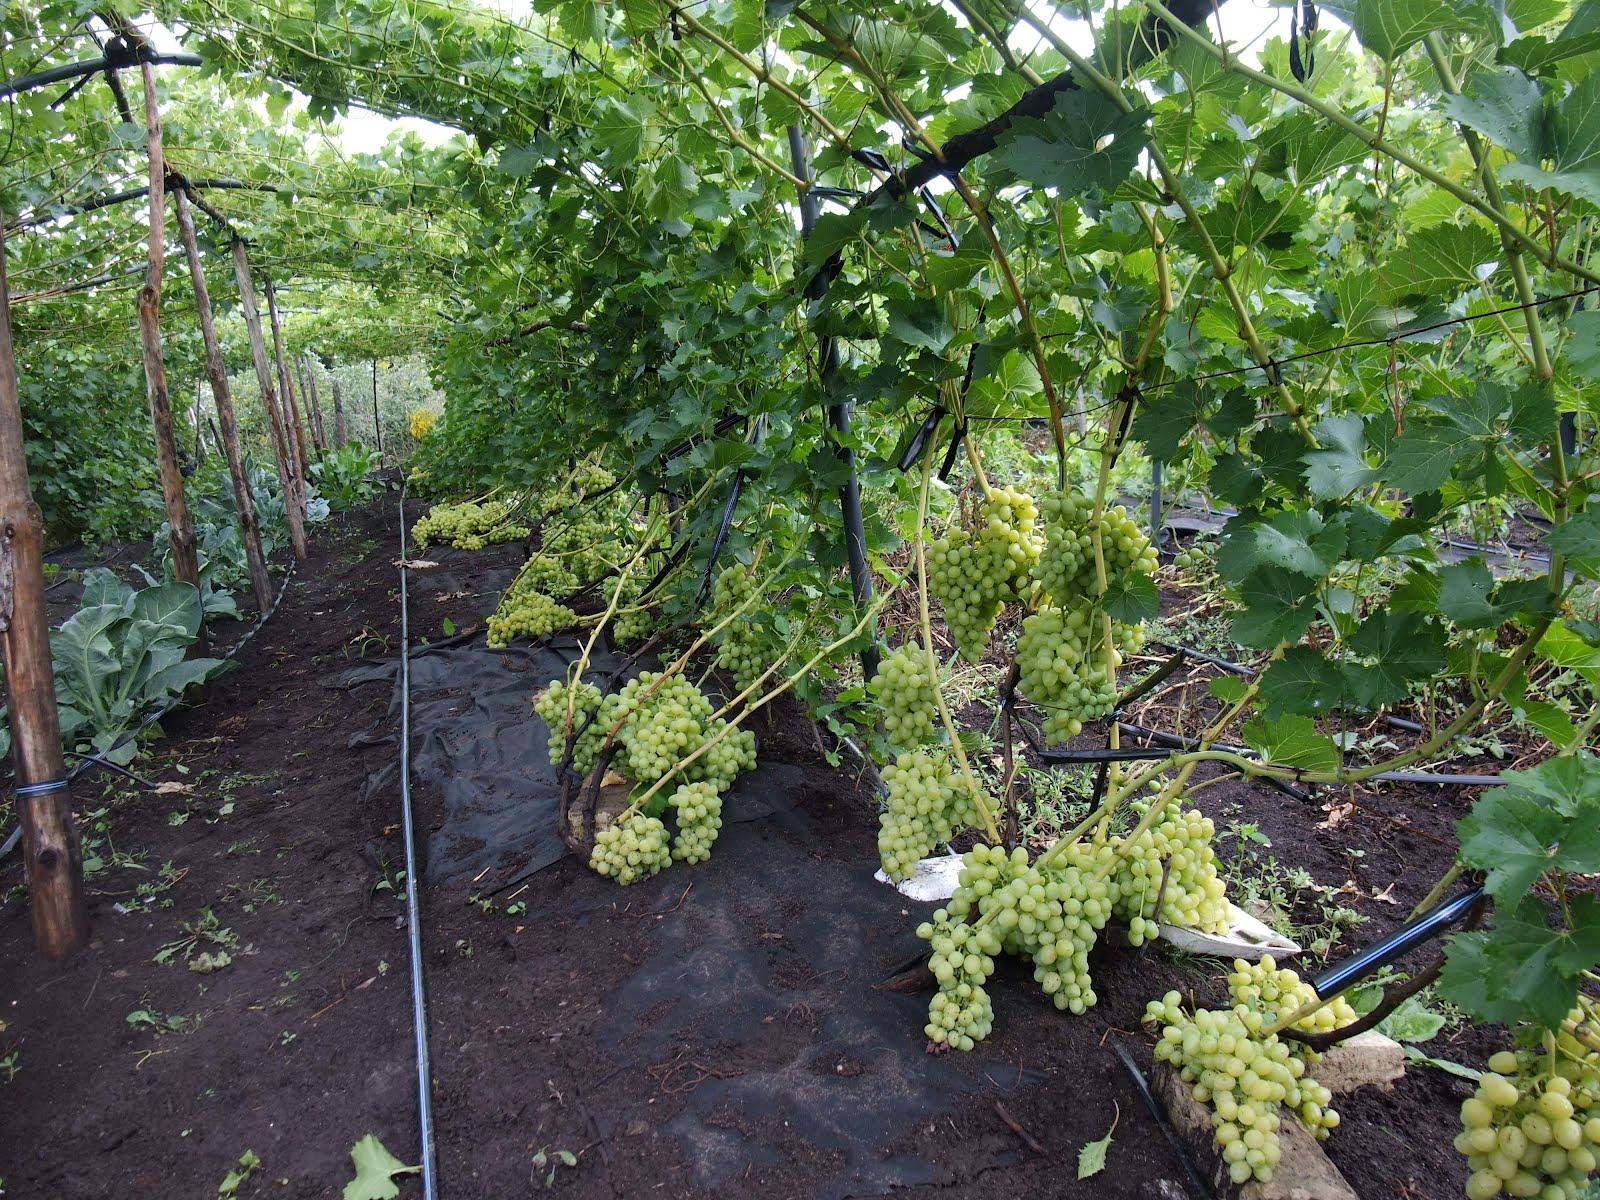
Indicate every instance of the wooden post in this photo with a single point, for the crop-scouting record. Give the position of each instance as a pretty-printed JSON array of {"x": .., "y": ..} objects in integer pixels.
[
  {"x": 286, "y": 390},
  {"x": 377, "y": 423},
  {"x": 249, "y": 525},
  {"x": 319, "y": 435},
  {"x": 269, "y": 395},
  {"x": 51, "y": 853},
  {"x": 185, "y": 559},
  {"x": 341, "y": 431}
]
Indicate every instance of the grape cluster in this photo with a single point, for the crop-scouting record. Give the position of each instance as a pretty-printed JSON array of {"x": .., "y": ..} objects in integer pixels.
[
  {"x": 528, "y": 613},
  {"x": 698, "y": 809},
  {"x": 742, "y": 652},
  {"x": 583, "y": 542},
  {"x": 1245, "y": 1078},
  {"x": 1530, "y": 1130},
  {"x": 960, "y": 1014},
  {"x": 1066, "y": 565},
  {"x": 928, "y": 804},
  {"x": 906, "y": 697},
  {"x": 1050, "y": 914},
  {"x": 1176, "y": 848},
  {"x": 590, "y": 478},
  {"x": 551, "y": 708},
  {"x": 1067, "y": 668},
  {"x": 1065, "y": 671},
  {"x": 1274, "y": 991},
  {"x": 974, "y": 575},
  {"x": 631, "y": 848},
  {"x": 467, "y": 526},
  {"x": 669, "y": 723}
]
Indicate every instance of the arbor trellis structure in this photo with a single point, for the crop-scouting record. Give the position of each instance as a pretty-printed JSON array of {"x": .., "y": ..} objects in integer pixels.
[{"x": 1340, "y": 284}]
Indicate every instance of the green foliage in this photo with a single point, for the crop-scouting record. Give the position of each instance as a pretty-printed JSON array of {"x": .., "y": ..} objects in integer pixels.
[
  {"x": 342, "y": 476},
  {"x": 120, "y": 656},
  {"x": 1542, "y": 827},
  {"x": 376, "y": 1169}
]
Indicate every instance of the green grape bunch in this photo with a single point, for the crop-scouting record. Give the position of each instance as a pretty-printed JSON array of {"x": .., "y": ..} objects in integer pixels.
[
  {"x": 1066, "y": 567},
  {"x": 743, "y": 652},
  {"x": 1532, "y": 1127},
  {"x": 631, "y": 849},
  {"x": 529, "y": 614},
  {"x": 1172, "y": 861},
  {"x": 974, "y": 575},
  {"x": 550, "y": 706},
  {"x": 906, "y": 697},
  {"x": 469, "y": 526},
  {"x": 928, "y": 803},
  {"x": 1065, "y": 668},
  {"x": 698, "y": 809}
]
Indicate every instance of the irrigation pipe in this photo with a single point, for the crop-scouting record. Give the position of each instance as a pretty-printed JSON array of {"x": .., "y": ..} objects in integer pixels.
[
  {"x": 94, "y": 760},
  {"x": 419, "y": 1011}
]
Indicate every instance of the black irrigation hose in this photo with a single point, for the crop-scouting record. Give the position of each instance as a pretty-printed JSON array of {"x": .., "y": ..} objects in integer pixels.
[
  {"x": 722, "y": 535},
  {"x": 1180, "y": 1148},
  {"x": 419, "y": 1011},
  {"x": 94, "y": 66},
  {"x": 92, "y": 760}
]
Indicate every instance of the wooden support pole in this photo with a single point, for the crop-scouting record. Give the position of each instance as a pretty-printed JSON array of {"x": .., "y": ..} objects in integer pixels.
[
  {"x": 185, "y": 558},
  {"x": 341, "y": 431},
  {"x": 222, "y": 393},
  {"x": 286, "y": 390},
  {"x": 377, "y": 423},
  {"x": 319, "y": 435},
  {"x": 269, "y": 395},
  {"x": 52, "y": 856}
]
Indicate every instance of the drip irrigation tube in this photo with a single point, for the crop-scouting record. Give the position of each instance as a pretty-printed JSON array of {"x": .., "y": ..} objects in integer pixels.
[
  {"x": 93, "y": 760},
  {"x": 1180, "y": 1148},
  {"x": 419, "y": 1010}
]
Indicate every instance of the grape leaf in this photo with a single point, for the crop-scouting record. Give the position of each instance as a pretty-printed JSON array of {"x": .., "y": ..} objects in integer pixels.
[
  {"x": 1422, "y": 458},
  {"x": 1504, "y": 105},
  {"x": 1464, "y": 590},
  {"x": 1303, "y": 682},
  {"x": 1064, "y": 149},
  {"x": 1579, "y": 539},
  {"x": 1230, "y": 689},
  {"x": 1405, "y": 648},
  {"x": 1092, "y": 1158},
  {"x": 1391, "y": 27},
  {"x": 1442, "y": 260},
  {"x": 1545, "y": 818},
  {"x": 1132, "y": 597},
  {"x": 1339, "y": 466},
  {"x": 1530, "y": 976},
  {"x": 1274, "y": 608},
  {"x": 1583, "y": 347},
  {"x": 1413, "y": 1021},
  {"x": 1573, "y": 145},
  {"x": 1474, "y": 977},
  {"x": 1292, "y": 742},
  {"x": 1299, "y": 540},
  {"x": 375, "y": 1171}
]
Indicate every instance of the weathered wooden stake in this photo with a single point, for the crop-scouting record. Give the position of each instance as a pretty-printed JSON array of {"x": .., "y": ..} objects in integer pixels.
[
  {"x": 286, "y": 382},
  {"x": 377, "y": 424},
  {"x": 341, "y": 431},
  {"x": 249, "y": 525},
  {"x": 269, "y": 396},
  {"x": 51, "y": 853},
  {"x": 319, "y": 435},
  {"x": 185, "y": 559}
]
